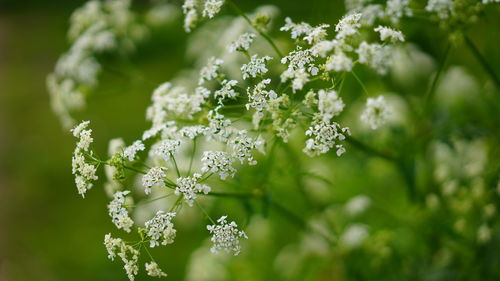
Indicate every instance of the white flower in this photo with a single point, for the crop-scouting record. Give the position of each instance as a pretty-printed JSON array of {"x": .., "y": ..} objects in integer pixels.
[
  {"x": 189, "y": 186},
  {"x": 190, "y": 19},
  {"x": 444, "y": 8},
  {"x": 323, "y": 136},
  {"x": 296, "y": 29},
  {"x": 389, "y": 33},
  {"x": 376, "y": 112},
  {"x": 212, "y": 7},
  {"x": 354, "y": 235},
  {"x": 322, "y": 48},
  {"x": 256, "y": 66},
  {"x": 154, "y": 270},
  {"x": 339, "y": 62},
  {"x": 210, "y": 71},
  {"x": 299, "y": 78},
  {"x": 154, "y": 176},
  {"x": 258, "y": 97},
  {"x": 348, "y": 26},
  {"x": 316, "y": 34},
  {"x": 242, "y": 146},
  {"x": 118, "y": 213},
  {"x": 85, "y": 172},
  {"x": 132, "y": 150},
  {"x": 218, "y": 162},
  {"x": 396, "y": 9},
  {"x": 378, "y": 57},
  {"x": 218, "y": 125},
  {"x": 484, "y": 234},
  {"x": 242, "y": 43},
  {"x": 329, "y": 104},
  {"x": 357, "y": 205},
  {"x": 171, "y": 101},
  {"x": 226, "y": 91},
  {"x": 300, "y": 60},
  {"x": 192, "y": 132},
  {"x": 226, "y": 236},
  {"x": 79, "y": 128},
  {"x": 160, "y": 229},
  {"x": 128, "y": 254},
  {"x": 166, "y": 148},
  {"x": 191, "y": 14}
]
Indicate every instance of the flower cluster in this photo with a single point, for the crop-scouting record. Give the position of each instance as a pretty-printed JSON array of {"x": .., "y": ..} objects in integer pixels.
[
  {"x": 96, "y": 27},
  {"x": 226, "y": 236},
  {"x": 154, "y": 270},
  {"x": 376, "y": 112},
  {"x": 189, "y": 186},
  {"x": 128, "y": 254},
  {"x": 160, "y": 229},
  {"x": 83, "y": 169},
  {"x": 218, "y": 162},
  {"x": 299, "y": 92},
  {"x": 118, "y": 212},
  {"x": 193, "y": 9},
  {"x": 154, "y": 176}
]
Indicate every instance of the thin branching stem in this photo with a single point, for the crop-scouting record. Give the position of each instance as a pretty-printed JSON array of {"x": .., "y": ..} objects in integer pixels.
[
  {"x": 261, "y": 33},
  {"x": 483, "y": 61}
]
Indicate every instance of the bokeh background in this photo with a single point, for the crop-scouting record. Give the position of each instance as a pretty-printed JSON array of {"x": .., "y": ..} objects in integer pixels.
[{"x": 47, "y": 232}]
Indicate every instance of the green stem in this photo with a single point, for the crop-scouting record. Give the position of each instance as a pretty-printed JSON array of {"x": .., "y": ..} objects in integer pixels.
[
  {"x": 482, "y": 60},
  {"x": 265, "y": 36},
  {"x": 134, "y": 169},
  {"x": 234, "y": 194},
  {"x": 370, "y": 150},
  {"x": 360, "y": 83},
  {"x": 175, "y": 164},
  {"x": 192, "y": 157},
  {"x": 149, "y": 201},
  {"x": 205, "y": 212},
  {"x": 432, "y": 89}
]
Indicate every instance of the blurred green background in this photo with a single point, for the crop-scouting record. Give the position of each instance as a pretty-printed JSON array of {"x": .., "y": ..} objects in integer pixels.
[{"x": 47, "y": 232}]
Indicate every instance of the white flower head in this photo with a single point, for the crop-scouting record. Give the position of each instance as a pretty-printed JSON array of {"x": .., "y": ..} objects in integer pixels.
[
  {"x": 258, "y": 97},
  {"x": 323, "y": 136},
  {"x": 329, "y": 104},
  {"x": 128, "y": 254},
  {"x": 218, "y": 125},
  {"x": 226, "y": 236},
  {"x": 354, "y": 235},
  {"x": 256, "y": 66},
  {"x": 210, "y": 71},
  {"x": 357, "y": 205},
  {"x": 376, "y": 112},
  {"x": 348, "y": 25},
  {"x": 160, "y": 229},
  {"x": 339, "y": 62},
  {"x": 84, "y": 171},
  {"x": 218, "y": 162},
  {"x": 226, "y": 91},
  {"x": 296, "y": 30},
  {"x": 154, "y": 270},
  {"x": 131, "y": 151},
  {"x": 317, "y": 33},
  {"x": 166, "y": 148},
  {"x": 242, "y": 146},
  {"x": 444, "y": 8},
  {"x": 212, "y": 7},
  {"x": 389, "y": 34},
  {"x": 189, "y": 187},
  {"x": 243, "y": 42},
  {"x": 396, "y": 9},
  {"x": 118, "y": 212},
  {"x": 154, "y": 176}
]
